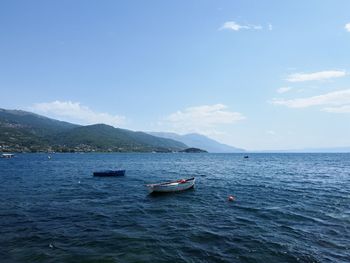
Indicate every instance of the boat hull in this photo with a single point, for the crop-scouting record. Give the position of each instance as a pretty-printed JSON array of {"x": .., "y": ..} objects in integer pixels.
[
  {"x": 7, "y": 155},
  {"x": 176, "y": 186}
]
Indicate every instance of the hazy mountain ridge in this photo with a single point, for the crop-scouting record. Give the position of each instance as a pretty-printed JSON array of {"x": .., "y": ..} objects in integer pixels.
[
  {"x": 26, "y": 131},
  {"x": 199, "y": 141}
]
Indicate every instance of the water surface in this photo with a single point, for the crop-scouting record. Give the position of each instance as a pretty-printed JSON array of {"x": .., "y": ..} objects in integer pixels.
[{"x": 288, "y": 208}]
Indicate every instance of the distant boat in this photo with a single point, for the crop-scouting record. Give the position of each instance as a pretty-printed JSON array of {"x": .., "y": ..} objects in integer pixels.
[
  {"x": 110, "y": 173},
  {"x": 7, "y": 155},
  {"x": 173, "y": 186},
  {"x": 246, "y": 157}
]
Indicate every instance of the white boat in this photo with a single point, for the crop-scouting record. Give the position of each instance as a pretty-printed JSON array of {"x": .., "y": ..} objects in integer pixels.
[
  {"x": 174, "y": 186},
  {"x": 7, "y": 155}
]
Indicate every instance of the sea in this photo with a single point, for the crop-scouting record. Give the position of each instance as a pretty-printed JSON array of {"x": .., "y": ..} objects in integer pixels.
[{"x": 287, "y": 208}]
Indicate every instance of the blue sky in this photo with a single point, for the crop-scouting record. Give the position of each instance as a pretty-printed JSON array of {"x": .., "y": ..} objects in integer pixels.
[{"x": 253, "y": 74}]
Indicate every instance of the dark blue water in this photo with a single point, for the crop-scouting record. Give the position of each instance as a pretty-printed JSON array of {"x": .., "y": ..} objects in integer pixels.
[{"x": 288, "y": 208}]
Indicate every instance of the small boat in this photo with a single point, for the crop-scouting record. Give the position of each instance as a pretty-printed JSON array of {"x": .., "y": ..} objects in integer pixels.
[
  {"x": 7, "y": 155},
  {"x": 173, "y": 186},
  {"x": 110, "y": 173},
  {"x": 246, "y": 157}
]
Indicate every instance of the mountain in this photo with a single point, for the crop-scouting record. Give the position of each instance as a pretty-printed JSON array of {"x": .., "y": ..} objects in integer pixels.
[
  {"x": 26, "y": 131},
  {"x": 35, "y": 123},
  {"x": 107, "y": 138},
  {"x": 199, "y": 141}
]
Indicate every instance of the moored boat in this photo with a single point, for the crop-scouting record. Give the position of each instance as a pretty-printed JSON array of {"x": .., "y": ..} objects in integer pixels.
[
  {"x": 173, "y": 186},
  {"x": 110, "y": 173},
  {"x": 7, "y": 155}
]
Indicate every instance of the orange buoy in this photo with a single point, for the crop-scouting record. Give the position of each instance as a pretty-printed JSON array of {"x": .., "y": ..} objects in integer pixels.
[{"x": 231, "y": 198}]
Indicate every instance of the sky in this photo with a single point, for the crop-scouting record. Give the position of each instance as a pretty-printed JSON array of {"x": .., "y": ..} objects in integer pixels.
[{"x": 261, "y": 75}]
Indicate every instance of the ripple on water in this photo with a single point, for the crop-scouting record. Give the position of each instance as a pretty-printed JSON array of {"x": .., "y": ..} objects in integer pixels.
[{"x": 288, "y": 208}]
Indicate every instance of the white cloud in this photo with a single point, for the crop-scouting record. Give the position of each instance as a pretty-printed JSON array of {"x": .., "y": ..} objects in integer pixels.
[
  {"x": 270, "y": 27},
  {"x": 283, "y": 89},
  {"x": 321, "y": 75},
  {"x": 232, "y": 25},
  {"x": 75, "y": 112},
  {"x": 256, "y": 27},
  {"x": 204, "y": 119},
  {"x": 347, "y": 27},
  {"x": 336, "y": 98}
]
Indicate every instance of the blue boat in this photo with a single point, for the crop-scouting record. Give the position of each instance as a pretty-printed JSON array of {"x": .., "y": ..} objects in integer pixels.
[{"x": 110, "y": 173}]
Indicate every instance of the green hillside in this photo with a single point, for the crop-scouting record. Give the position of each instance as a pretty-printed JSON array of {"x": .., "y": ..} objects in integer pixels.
[
  {"x": 108, "y": 138},
  {"x": 34, "y": 123},
  {"x": 25, "y": 131}
]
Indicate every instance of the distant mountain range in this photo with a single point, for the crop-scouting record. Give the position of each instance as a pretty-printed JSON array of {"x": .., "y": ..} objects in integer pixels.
[
  {"x": 199, "y": 141},
  {"x": 22, "y": 131},
  {"x": 29, "y": 132}
]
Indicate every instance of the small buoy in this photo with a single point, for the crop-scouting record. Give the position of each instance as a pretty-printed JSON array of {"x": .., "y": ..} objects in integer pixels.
[
  {"x": 231, "y": 198},
  {"x": 78, "y": 182},
  {"x": 49, "y": 157},
  {"x": 51, "y": 246}
]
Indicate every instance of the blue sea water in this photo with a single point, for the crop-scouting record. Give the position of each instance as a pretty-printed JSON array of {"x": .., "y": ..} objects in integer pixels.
[{"x": 288, "y": 208}]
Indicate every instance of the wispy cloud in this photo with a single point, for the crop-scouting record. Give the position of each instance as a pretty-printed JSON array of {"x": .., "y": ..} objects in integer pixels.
[
  {"x": 340, "y": 109},
  {"x": 270, "y": 27},
  {"x": 206, "y": 119},
  {"x": 347, "y": 27},
  {"x": 320, "y": 75},
  {"x": 75, "y": 112},
  {"x": 234, "y": 26},
  {"x": 283, "y": 89},
  {"x": 336, "y": 98}
]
